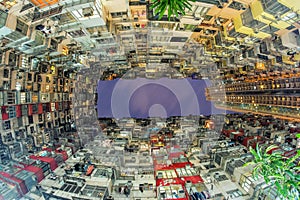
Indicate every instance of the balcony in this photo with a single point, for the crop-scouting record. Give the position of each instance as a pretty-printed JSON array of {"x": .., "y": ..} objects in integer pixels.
[
  {"x": 15, "y": 35},
  {"x": 291, "y": 39},
  {"x": 274, "y": 8},
  {"x": 246, "y": 24},
  {"x": 265, "y": 85},
  {"x": 278, "y": 111},
  {"x": 262, "y": 11}
]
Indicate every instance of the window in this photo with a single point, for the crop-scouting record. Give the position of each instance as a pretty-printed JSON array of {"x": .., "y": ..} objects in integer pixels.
[
  {"x": 39, "y": 38},
  {"x": 23, "y": 97},
  {"x": 269, "y": 29},
  {"x": 45, "y": 107},
  {"x": 247, "y": 17},
  {"x": 8, "y": 137},
  {"x": 118, "y": 14},
  {"x": 3, "y": 16},
  {"x": 53, "y": 44},
  {"x": 6, "y": 125},
  {"x": 263, "y": 47},
  {"x": 11, "y": 97},
  {"x": 29, "y": 77},
  {"x": 31, "y": 129},
  {"x": 12, "y": 111},
  {"x": 6, "y": 73},
  {"x": 30, "y": 119},
  {"x": 6, "y": 85},
  {"x": 40, "y": 117},
  {"x": 43, "y": 15},
  {"x": 21, "y": 27},
  {"x": 34, "y": 108},
  {"x": 24, "y": 110},
  {"x": 66, "y": 18},
  {"x": 28, "y": 97},
  {"x": 207, "y": 17},
  {"x": 35, "y": 97},
  {"x": 78, "y": 33},
  {"x": 218, "y": 39},
  {"x": 237, "y": 6}
]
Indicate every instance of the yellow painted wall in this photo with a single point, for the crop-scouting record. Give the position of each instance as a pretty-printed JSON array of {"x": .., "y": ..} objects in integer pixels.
[
  {"x": 295, "y": 4},
  {"x": 259, "y": 14}
]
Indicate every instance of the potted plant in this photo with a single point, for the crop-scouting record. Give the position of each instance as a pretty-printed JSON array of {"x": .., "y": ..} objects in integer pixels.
[
  {"x": 174, "y": 7},
  {"x": 278, "y": 170}
]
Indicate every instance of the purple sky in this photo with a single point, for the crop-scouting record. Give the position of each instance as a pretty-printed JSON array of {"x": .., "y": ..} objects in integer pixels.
[{"x": 142, "y": 98}]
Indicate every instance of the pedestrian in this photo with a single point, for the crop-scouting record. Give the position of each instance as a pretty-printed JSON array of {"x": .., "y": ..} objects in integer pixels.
[
  {"x": 141, "y": 189},
  {"x": 126, "y": 191}
]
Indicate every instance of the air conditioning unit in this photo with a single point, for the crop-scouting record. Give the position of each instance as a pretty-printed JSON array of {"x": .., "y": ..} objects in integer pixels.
[
  {"x": 181, "y": 26},
  {"x": 125, "y": 17},
  {"x": 88, "y": 12}
]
